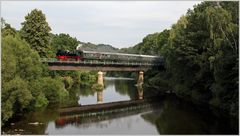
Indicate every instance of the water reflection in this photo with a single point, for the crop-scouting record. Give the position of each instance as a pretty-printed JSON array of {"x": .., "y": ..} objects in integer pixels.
[
  {"x": 125, "y": 124},
  {"x": 171, "y": 117},
  {"x": 114, "y": 90},
  {"x": 100, "y": 96},
  {"x": 33, "y": 123},
  {"x": 140, "y": 91},
  {"x": 126, "y": 88},
  {"x": 178, "y": 117},
  {"x": 79, "y": 119}
]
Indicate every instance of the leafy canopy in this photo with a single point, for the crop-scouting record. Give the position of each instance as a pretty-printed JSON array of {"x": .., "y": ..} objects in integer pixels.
[{"x": 36, "y": 31}]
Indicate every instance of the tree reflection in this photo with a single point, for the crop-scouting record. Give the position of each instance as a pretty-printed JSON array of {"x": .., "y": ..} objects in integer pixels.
[
  {"x": 180, "y": 118},
  {"x": 109, "y": 82},
  {"x": 72, "y": 99},
  {"x": 126, "y": 87},
  {"x": 33, "y": 122},
  {"x": 140, "y": 91},
  {"x": 86, "y": 91},
  {"x": 100, "y": 96}
]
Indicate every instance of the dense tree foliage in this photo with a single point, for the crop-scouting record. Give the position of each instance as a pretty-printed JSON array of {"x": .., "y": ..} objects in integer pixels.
[
  {"x": 27, "y": 84},
  {"x": 36, "y": 32},
  {"x": 151, "y": 44},
  {"x": 24, "y": 85},
  {"x": 8, "y": 30},
  {"x": 205, "y": 44},
  {"x": 62, "y": 42},
  {"x": 201, "y": 55}
]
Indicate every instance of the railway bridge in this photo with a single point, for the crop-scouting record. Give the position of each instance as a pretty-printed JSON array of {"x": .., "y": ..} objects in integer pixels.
[{"x": 102, "y": 66}]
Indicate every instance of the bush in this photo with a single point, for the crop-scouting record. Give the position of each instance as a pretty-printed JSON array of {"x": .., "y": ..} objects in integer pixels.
[
  {"x": 53, "y": 89},
  {"x": 68, "y": 82}
]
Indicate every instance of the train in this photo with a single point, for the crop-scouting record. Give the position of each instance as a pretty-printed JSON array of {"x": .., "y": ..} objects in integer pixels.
[{"x": 82, "y": 55}]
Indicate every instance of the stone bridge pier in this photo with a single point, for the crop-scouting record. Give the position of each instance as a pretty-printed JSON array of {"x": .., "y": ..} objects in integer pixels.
[
  {"x": 100, "y": 96},
  {"x": 100, "y": 78},
  {"x": 100, "y": 82},
  {"x": 140, "y": 92},
  {"x": 140, "y": 78}
]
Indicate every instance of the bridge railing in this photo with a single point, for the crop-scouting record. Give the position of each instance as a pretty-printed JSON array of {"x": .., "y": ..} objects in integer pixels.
[{"x": 49, "y": 60}]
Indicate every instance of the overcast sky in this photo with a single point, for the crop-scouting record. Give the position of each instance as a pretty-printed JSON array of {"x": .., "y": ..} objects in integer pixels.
[{"x": 118, "y": 23}]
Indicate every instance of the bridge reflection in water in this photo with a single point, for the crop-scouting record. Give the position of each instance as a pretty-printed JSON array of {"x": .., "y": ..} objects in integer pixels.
[{"x": 87, "y": 116}]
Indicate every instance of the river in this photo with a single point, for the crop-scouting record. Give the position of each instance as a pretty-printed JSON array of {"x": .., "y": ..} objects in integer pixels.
[{"x": 171, "y": 116}]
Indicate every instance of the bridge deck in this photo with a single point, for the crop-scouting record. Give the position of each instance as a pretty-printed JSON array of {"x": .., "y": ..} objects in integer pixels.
[{"x": 100, "y": 66}]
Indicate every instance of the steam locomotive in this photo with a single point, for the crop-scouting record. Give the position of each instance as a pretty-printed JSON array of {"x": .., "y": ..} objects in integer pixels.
[
  {"x": 81, "y": 55},
  {"x": 69, "y": 55}
]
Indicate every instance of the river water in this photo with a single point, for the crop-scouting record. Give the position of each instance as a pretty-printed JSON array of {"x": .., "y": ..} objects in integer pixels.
[{"x": 171, "y": 116}]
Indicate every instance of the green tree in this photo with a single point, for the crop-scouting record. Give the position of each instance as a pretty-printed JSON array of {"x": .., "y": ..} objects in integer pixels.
[
  {"x": 16, "y": 95},
  {"x": 36, "y": 32},
  {"x": 7, "y": 29},
  {"x": 205, "y": 44},
  {"x": 201, "y": 55},
  {"x": 63, "y": 42},
  {"x": 151, "y": 45},
  {"x": 224, "y": 57},
  {"x": 24, "y": 82}
]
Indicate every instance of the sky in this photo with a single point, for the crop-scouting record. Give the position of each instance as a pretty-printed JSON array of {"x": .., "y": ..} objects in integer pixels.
[{"x": 118, "y": 23}]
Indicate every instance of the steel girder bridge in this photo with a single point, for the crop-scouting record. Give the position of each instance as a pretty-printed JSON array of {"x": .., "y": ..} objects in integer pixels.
[{"x": 91, "y": 65}]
